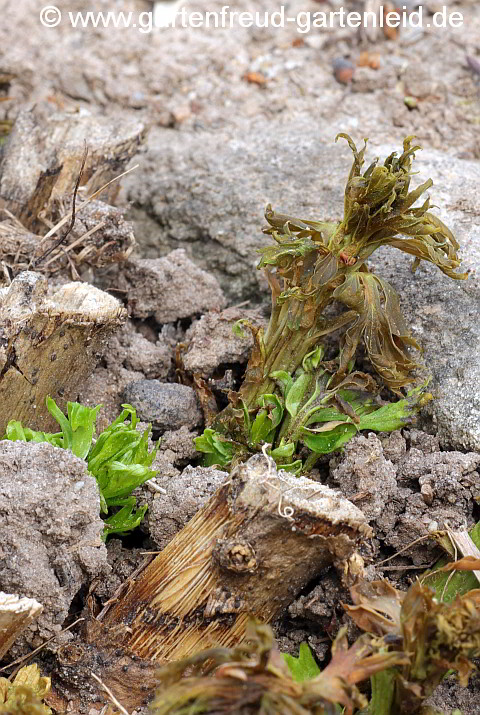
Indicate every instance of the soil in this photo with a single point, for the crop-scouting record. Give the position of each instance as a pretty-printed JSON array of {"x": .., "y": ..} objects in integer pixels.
[{"x": 209, "y": 98}]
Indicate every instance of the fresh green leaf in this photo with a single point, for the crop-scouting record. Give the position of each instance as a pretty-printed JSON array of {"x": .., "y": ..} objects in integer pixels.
[
  {"x": 275, "y": 407},
  {"x": 295, "y": 467},
  {"x": 119, "y": 460},
  {"x": 119, "y": 480},
  {"x": 304, "y": 667},
  {"x": 126, "y": 519},
  {"x": 237, "y": 328},
  {"x": 261, "y": 428},
  {"x": 326, "y": 442},
  {"x": 312, "y": 360},
  {"x": 82, "y": 421},
  {"x": 283, "y": 451},
  {"x": 284, "y": 379},
  {"x": 216, "y": 448},
  {"x": 297, "y": 393},
  {"x": 58, "y": 415}
]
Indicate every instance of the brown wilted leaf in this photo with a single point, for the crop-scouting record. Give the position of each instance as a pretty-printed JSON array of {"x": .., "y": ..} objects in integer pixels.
[{"x": 467, "y": 563}]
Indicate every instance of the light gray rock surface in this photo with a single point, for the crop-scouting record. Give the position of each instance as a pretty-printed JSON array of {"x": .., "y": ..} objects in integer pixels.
[
  {"x": 51, "y": 532},
  {"x": 185, "y": 495},
  {"x": 212, "y": 342},
  {"x": 168, "y": 406}
]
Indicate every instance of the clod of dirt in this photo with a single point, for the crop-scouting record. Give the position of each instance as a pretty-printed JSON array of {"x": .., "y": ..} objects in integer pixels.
[
  {"x": 365, "y": 476},
  {"x": 179, "y": 446},
  {"x": 412, "y": 495},
  {"x": 43, "y": 156},
  {"x": 135, "y": 352},
  {"x": 123, "y": 561},
  {"x": 211, "y": 340},
  {"x": 367, "y": 79},
  {"x": 51, "y": 532},
  {"x": 169, "y": 288},
  {"x": 165, "y": 405},
  {"x": 185, "y": 495}
]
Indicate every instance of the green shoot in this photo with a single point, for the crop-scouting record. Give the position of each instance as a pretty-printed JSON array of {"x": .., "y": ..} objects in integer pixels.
[{"x": 119, "y": 459}]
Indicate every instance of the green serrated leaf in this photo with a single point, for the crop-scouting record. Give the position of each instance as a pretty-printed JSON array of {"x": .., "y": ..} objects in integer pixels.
[
  {"x": 215, "y": 447},
  {"x": 126, "y": 519},
  {"x": 304, "y": 667},
  {"x": 82, "y": 421},
  {"x": 58, "y": 415}
]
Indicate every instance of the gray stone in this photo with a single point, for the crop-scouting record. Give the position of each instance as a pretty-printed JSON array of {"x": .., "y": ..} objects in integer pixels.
[
  {"x": 168, "y": 406},
  {"x": 51, "y": 542},
  {"x": 364, "y": 471}
]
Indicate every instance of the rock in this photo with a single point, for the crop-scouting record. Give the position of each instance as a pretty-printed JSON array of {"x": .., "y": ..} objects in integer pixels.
[
  {"x": 185, "y": 495},
  {"x": 180, "y": 445},
  {"x": 169, "y": 288},
  {"x": 135, "y": 352},
  {"x": 212, "y": 342},
  {"x": 208, "y": 191},
  {"x": 166, "y": 405},
  {"x": 366, "y": 477},
  {"x": 51, "y": 542}
]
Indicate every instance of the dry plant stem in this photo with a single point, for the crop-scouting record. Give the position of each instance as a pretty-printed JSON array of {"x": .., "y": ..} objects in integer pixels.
[
  {"x": 465, "y": 545},
  {"x": 16, "y": 614},
  {"x": 49, "y": 344},
  {"x": 110, "y": 695},
  {"x": 248, "y": 551},
  {"x": 39, "y": 165}
]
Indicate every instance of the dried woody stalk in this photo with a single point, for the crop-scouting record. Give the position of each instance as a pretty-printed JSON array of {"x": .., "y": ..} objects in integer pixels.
[
  {"x": 38, "y": 173},
  {"x": 248, "y": 551}
]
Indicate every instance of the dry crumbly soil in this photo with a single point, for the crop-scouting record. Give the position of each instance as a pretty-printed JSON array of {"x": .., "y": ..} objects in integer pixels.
[{"x": 220, "y": 87}]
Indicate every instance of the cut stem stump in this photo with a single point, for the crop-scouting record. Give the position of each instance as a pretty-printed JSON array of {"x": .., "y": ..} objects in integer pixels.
[
  {"x": 48, "y": 346},
  {"x": 249, "y": 551}
]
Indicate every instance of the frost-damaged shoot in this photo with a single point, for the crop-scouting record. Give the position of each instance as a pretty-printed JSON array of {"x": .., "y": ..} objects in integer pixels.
[
  {"x": 411, "y": 642},
  {"x": 292, "y": 397}
]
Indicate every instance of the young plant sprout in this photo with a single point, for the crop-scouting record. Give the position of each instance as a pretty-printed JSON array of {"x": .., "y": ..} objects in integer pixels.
[
  {"x": 119, "y": 458},
  {"x": 294, "y": 399}
]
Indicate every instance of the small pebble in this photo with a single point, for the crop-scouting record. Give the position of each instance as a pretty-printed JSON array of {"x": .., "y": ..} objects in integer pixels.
[
  {"x": 165, "y": 405},
  {"x": 343, "y": 70}
]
